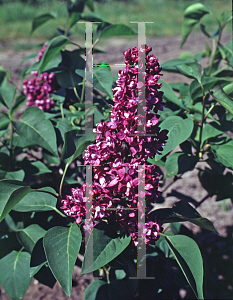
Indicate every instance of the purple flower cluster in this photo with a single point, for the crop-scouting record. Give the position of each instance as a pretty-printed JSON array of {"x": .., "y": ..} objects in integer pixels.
[
  {"x": 38, "y": 89},
  {"x": 119, "y": 156}
]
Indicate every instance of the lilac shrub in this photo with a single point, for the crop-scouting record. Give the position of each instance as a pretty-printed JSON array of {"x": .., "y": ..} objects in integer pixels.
[
  {"x": 135, "y": 148},
  {"x": 38, "y": 89},
  {"x": 118, "y": 151}
]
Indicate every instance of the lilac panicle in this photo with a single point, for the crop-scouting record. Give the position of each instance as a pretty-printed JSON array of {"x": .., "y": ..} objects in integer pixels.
[
  {"x": 38, "y": 89},
  {"x": 119, "y": 151}
]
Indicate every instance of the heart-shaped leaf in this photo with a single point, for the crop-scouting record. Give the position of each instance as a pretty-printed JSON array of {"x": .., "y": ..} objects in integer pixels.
[{"x": 36, "y": 128}]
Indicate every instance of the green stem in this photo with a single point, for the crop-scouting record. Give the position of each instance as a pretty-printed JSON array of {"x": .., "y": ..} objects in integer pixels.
[
  {"x": 60, "y": 213},
  {"x": 72, "y": 43},
  {"x": 62, "y": 180},
  {"x": 162, "y": 234},
  {"x": 107, "y": 271},
  {"x": 83, "y": 89},
  {"x": 208, "y": 112},
  {"x": 202, "y": 122},
  {"x": 11, "y": 144},
  {"x": 62, "y": 112},
  {"x": 76, "y": 94},
  {"x": 215, "y": 48}
]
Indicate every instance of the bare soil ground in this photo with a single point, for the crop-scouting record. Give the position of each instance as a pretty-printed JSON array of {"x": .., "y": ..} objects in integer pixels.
[{"x": 217, "y": 250}]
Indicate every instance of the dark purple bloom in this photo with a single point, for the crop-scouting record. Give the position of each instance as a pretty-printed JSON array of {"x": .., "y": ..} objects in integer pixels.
[{"x": 119, "y": 150}]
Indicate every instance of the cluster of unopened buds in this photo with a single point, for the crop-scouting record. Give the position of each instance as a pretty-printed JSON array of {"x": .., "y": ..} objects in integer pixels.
[
  {"x": 119, "y": 155},
  {"x": 38, "y": 89}
]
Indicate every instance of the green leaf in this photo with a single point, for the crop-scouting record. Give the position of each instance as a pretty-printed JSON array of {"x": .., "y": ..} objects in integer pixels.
[
  {"x": 4, "y": 121},
  {"x": 29, "y": 236},
  {"x": 117, "y": 30},
  {"x": 49, "y": 158},
  {"x": 225, "y": 155},
  {"x": 95, "y": 292},
  {"x": 227, "y": 53},
  {"x": 19, "y": 101},
  {"x": 38, "y": 258},
  {"x": 71, "y": 60},
  {"x": 16, "y": 175},
  {"x": 169, "y": 94},
  {"x": 34, "y": 168},
  {"x": 36, "y": 128},
  {"x": 15, "y": 274},
  {"x": 107, "y": 246},
  {"x": 74, "y": 145},
  {"x": 38, "y": 201},
  {"x": 193, "y": 70},
  {"x": 221, "y": 97},
  {"x": 11, "y": 192},
  {"x": 192, "y": 16},
  {"x": 183, "y": 211},
  {"x": 90, "y": 4},
  {"x": 170, "y": 65},
  {"x": 53, "y": 48},
  {"x": 74, "y": 18},
  {"x": 53, "y": 63},
  {"x": 91, "y": 17},
  {"x": 208, "y": 83},
  {"x": 209, "y": 131},
  {"x": 203, "y": 29},
  {"x": 64, "y": 126},
  {"x": 188, "y": 257},
  {"x": 7, "y": 95},
  {"x": 179, "y": 163},
  {"x": 42, "y": 19},
  {"x": 179, "y": 131},
  {"x": 102, "y": 78},
  {"x": 228, "y": 89},
  {"x": 61, "y": 245}
]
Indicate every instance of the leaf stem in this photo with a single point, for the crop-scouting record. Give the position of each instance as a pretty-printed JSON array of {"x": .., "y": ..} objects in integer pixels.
[
  {"x": 215, "y": 46},
  {"x": 199, "y": 155},
  {"x": 11, "y": 143},
  {"x": 62, "y": 180},
  {"x": 62, "y": 112},
  {"x": 76, "y": 94},
  {"x": 60, "y": 213},
  {"x": 83, "y": 89}
]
